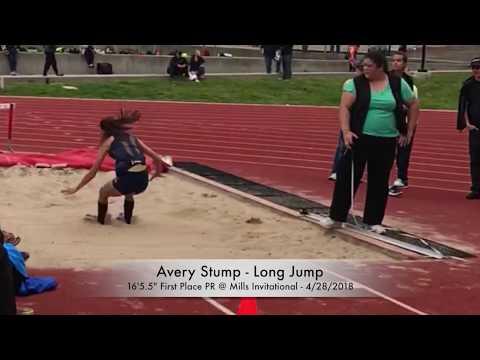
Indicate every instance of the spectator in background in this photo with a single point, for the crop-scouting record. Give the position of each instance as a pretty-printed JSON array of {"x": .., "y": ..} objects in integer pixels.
[
  {"x": 172, "y": 65},
  {"x": 352, "y": 57},
  {"x": 197, "y": 70},
  {"x": 50, "y": 60},
  {"x": 12, "y": 58},
  {"x": 269, "y": 54},
  {"x": 286, "y": 52},
  {"x": 469, "y": 117},
  {"x": 399, "y": 66},
  {"x": 178, "y": 66},
  {"x": 90, "y": 56}
]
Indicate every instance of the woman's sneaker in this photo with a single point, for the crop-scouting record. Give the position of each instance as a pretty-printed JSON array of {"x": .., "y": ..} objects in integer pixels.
[
  {"x": 403, "y": 184},
  {"x": 379, "y": 229},
  {"x": 329, "y": 223},
  {"x": 394, "y": 191}
]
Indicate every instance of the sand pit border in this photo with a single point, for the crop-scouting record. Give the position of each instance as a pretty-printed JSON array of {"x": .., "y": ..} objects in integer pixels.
[{"x": 393, "y": 251}]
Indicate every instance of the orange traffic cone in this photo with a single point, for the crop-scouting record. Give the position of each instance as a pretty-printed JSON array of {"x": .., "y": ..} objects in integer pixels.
[{"x": 248, "y": 306}]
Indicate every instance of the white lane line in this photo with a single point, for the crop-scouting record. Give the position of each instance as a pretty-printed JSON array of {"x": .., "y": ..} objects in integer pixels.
[
  {"x": 380, "y": 294},
  {"x": 219, "y": 306}
]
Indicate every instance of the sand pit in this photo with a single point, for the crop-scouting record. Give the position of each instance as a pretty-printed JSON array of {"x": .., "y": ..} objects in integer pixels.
[{"x": 175, "y": 218}]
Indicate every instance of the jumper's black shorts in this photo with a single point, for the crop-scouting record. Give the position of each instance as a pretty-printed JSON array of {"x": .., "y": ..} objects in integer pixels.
[{"x": 131, "y": 183}]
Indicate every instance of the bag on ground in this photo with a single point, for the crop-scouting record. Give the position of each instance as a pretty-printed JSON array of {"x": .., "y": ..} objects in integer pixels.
[{"x": 104, "y": 69}]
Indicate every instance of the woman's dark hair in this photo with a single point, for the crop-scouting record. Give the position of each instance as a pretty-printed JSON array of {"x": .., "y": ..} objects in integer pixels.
[
  {"x": 116, "y": 125},
  {"x": 378, "y": 59},
  {"x": 402, "y": 54},
  {"x": 2, "y": 238}
]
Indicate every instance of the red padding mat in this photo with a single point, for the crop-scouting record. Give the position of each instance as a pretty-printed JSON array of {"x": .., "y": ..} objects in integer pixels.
[{"x": 76, "y": 159}]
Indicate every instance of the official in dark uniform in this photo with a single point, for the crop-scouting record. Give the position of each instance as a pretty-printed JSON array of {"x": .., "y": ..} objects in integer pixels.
[{"x": 469, "y": 117}]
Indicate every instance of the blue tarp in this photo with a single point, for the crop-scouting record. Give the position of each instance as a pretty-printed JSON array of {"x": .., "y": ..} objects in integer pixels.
[{"x": 30, "y": 284}]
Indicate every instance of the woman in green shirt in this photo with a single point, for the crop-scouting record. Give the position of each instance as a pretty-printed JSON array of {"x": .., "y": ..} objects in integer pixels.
[{"x": 372, "y": 120}]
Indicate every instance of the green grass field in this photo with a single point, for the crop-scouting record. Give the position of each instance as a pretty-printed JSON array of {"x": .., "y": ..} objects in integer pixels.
[{"x": 440, "y": 91}]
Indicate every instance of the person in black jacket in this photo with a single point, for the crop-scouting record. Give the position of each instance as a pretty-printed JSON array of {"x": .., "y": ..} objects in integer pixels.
[
  {"x": 178, "y": 67},
  {"x": 399, "y": 66},
  {"x": 172, "y": 65},
  {"x": 372, "y": 121},
  {"x": 286, "y": 52},
  {"x": 469, "y": 117},
  {"x": 50, "y": 60}
]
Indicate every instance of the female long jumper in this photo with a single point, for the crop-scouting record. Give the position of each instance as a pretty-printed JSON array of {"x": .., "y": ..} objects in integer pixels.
[{"x": 128, "y": 151}]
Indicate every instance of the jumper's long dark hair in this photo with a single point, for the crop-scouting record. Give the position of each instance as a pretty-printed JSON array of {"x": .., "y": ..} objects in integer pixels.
[{"x": 118, "y": 125}]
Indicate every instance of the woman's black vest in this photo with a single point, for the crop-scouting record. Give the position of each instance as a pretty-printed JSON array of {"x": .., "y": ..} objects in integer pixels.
[{"x": 359, "y": 109}]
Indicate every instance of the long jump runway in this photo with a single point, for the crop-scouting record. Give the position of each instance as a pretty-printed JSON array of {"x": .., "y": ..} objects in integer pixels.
[{"x": 289, "y": 148}]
